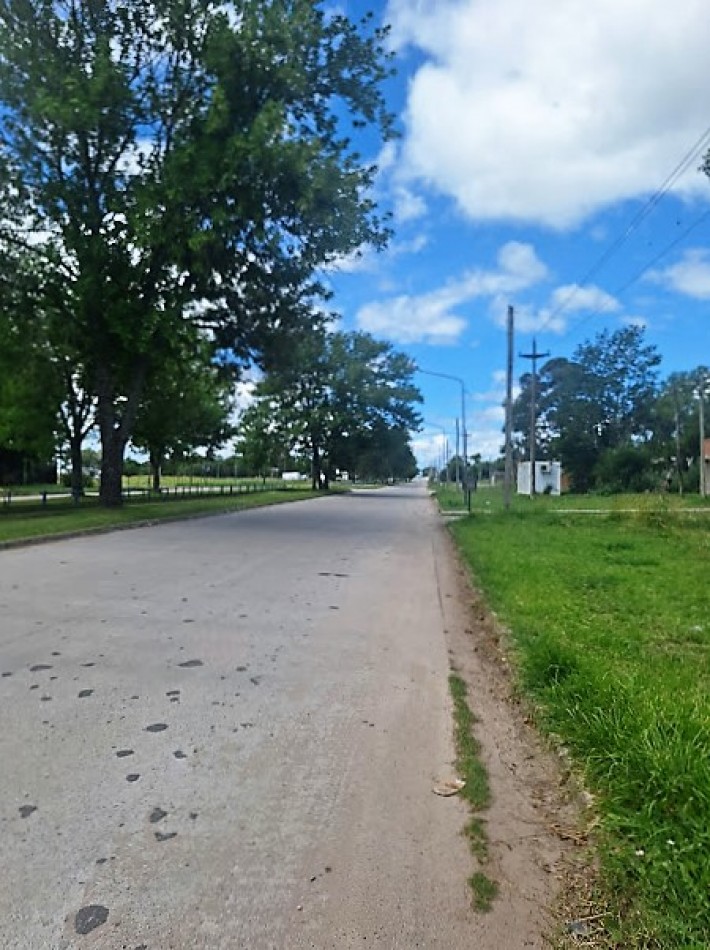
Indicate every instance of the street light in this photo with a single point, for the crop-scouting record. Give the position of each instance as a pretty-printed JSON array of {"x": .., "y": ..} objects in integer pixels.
[
  {"x": 444, "y": 454},
  {"x": 456, "y": 379}
]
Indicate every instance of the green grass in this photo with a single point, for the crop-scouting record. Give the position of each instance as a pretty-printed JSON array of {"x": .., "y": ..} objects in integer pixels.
[
  {"x": 476, "y": 791},
  {"x": 27, "y": 521},
  {"x": 484, "y": 891},
  {"x": 610, "y": 621}
]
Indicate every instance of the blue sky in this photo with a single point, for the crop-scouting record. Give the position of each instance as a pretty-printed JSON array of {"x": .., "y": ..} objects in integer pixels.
[{"x": 532, "y": 137}]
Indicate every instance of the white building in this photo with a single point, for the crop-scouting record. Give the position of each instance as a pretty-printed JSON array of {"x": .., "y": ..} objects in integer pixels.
[{"x": 548, "y": 478}]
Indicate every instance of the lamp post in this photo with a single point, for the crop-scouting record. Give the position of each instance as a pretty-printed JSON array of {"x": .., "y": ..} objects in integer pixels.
[
  {"x": 456, "y": 379},
  {"x": 443, "y": 455}
]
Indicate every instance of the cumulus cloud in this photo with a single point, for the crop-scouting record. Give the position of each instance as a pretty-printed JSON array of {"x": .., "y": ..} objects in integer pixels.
[
  {"x": 689, "y": 276},
  {"x": 433, "y": 318},
  {"x": 553, "y": 317},
  {"x": 547, "y": 112}
]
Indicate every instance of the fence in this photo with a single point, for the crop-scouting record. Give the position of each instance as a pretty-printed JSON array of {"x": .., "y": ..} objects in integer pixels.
[{"x": 48, "y": 499}]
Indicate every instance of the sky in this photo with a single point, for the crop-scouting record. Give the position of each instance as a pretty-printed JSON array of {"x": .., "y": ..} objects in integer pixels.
[{"x": 549, "y": 160}]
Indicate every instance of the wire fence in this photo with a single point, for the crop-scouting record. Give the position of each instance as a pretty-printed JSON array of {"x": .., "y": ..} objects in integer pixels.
[{"x": 22, "y": 501}]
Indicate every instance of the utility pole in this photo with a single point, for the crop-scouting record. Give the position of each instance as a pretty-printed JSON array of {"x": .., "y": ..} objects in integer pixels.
[
  {"x": 508, "y": 483},
  {"x": 678, "y": 465},
  {"x": 702, "y": 383},
  {"x": 534, "y": 356},
  {"x": 458, "y": 457}
]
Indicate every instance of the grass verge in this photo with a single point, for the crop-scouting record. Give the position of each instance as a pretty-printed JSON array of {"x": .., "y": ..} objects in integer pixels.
[
  {"x": 26, "y": 524},
  {"x": 476, "y": 790},
  {"x": 609, "y": 620}
]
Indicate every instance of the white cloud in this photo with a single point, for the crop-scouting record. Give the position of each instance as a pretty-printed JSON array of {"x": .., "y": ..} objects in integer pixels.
[
  {"x": 369, "y": 261},
  {"x": 547, "y": 112},
  {"x": 408, "y": 206},
  {"x": 564, "y": 301},
  {"x": 690, "y": 276},
  {"x": 433, "y": 318}
]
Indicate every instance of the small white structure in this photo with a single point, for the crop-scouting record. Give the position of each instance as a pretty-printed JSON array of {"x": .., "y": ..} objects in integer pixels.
[
  {"x": 548, "y": 478},
  {"x": 292, "y": 476}
]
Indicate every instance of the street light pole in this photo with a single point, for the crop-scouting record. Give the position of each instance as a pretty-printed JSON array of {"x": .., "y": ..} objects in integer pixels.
[{"x": 456, "y": 379}]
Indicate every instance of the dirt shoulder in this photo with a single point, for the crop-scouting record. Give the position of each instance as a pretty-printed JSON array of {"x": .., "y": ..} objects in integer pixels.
[{"x": 534, "y": 819}]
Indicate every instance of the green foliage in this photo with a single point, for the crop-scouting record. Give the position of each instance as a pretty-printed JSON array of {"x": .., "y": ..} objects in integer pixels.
[
  {"x": 167, "y": 162},
  {"x": 344, "y": 401},
  {"x": 601, "y": 400},
  {"x": 185, "y": 405},
  {"x": 608, "y": 615}
]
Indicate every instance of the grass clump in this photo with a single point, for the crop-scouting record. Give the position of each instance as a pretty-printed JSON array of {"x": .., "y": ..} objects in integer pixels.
[
  {"x": 476, "y": 791},
  {"x": 484, "y": 891},
  {"x": 610, "y": 621}
]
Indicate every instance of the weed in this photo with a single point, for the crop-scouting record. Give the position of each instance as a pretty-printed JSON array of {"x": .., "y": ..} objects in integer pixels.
[
  {"x": 476, "y": 790},
  {"x": 608, "y": 615},
  {"x": 484, "y": 891}
]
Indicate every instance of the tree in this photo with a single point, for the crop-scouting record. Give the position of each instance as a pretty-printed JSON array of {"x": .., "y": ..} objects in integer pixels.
[
  {"x": 30, "y": 394},
  {"x": 677, "y": 429},
  {"x": 342, "y": 398},
  {"x": 167, "y": 161},
  {"x": 602, "y": 399},
  {"x": 185, "y": 406}
]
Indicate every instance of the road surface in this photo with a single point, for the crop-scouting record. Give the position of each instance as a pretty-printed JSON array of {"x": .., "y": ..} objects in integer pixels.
[{"x": 224, "y": 733}]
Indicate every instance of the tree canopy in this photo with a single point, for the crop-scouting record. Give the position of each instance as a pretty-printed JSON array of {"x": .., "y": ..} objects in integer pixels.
[
  {"x": 344, "y": 401},
  {"x": 173, "y": 162}
]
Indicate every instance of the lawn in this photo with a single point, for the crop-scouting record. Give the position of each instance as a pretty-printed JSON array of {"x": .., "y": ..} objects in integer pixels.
[
  {"x": 28, "y": 520},
  {"x": 609, "y": 616}
]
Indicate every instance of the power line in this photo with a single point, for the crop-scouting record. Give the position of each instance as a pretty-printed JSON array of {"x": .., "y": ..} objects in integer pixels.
[
  {"x": 640, "y": 216},
  {"x": 639, "y": 274}
]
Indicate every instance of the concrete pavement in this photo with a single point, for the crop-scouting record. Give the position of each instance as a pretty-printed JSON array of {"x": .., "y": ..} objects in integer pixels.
[{"x": 224, "y": 734}]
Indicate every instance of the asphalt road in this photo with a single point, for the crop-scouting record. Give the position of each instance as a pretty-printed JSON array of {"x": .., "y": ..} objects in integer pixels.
[{"x": 224, "y": 733}]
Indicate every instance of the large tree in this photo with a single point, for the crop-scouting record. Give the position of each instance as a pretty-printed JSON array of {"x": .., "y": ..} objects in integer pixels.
[
  {"x": 601, "y": 400},
  {"x": 180, "y": 160},
  {"x": 340, "y": 400}
]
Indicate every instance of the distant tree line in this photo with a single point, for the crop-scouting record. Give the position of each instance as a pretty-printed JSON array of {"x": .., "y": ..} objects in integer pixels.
[{"x": 606, "y": 415}]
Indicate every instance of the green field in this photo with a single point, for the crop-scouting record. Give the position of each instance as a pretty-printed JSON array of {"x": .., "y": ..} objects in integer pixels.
[
  {"x": 26, "y": 520},
  {"x": 609, "y": 616}
]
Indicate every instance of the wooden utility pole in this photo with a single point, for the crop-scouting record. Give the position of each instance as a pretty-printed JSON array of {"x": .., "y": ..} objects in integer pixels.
[
  {"x": 534, "y": 356},
  {"x": 508, "y": 483},
  {"x": 458, "y": 457},
  {"x": 678, "y": 463},
  {"x": 702, "y": 383}
]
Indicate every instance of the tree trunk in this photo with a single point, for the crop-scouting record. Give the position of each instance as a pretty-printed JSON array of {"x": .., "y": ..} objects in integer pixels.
[
  {"x": 77, "y": 468},
  {"x": 111, "y": 491},
  {"x": 116, "y": 428},
  {"x": 156, "y": 458},
  {"x": 315, "y": 469}
]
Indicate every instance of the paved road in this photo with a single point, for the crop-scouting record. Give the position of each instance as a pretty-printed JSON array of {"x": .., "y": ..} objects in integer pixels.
[{"x": 225, "y": 733}]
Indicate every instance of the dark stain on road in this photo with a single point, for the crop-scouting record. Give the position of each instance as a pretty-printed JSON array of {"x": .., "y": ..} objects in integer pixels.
[
  {"x": 26, "y": 810},
  {"x": 7, "y": 674},
  {"x": 88, "y": 664},
  {"x": 40, "y": 666},
  {"x": 122, "y": 753},
  {"x": 83, "y": 693},
  {"x": 179, "y": 754},
  {"x": 89, "y": 918},
  {"x": 165, "y": 836},
  {"x": 157, "y": 727},
  {"x": 189, "y": 664},
  {"x": 157, "y": 815},
  {"x": 132, "y": 777}
]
